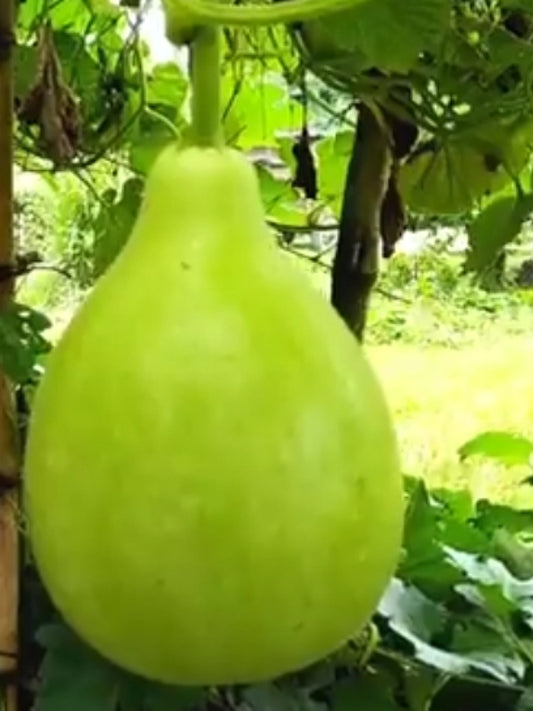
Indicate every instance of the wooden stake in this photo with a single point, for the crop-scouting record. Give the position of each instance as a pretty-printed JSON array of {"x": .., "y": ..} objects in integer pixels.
[{"x": 9, "y": 449}]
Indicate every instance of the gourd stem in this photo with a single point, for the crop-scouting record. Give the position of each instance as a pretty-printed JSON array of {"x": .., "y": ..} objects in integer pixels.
[
  {"x": 213, "y": 12},
  {"x": 205, "y": 71}
]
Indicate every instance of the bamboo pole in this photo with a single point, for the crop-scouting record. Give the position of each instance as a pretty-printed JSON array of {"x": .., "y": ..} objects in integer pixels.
[{"x": 9, "y": 449}]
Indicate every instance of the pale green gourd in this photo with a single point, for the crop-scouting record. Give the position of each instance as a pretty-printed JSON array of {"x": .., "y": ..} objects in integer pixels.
[{"x": 212, "y": 480}]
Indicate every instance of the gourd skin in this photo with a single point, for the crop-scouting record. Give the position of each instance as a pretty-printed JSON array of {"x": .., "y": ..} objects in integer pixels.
[{"x": 212, "y": 480}]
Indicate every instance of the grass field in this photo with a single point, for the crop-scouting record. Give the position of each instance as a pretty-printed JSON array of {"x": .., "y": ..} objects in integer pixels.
[{"x": 442, "y": 397}]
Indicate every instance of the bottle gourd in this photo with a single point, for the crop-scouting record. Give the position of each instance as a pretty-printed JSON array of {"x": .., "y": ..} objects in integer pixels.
[{"x": 212, "y": 481}]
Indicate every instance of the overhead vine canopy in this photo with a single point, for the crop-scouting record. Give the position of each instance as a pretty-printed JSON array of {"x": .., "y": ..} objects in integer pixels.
[
  {"x": 450, "y": 79},
  {"x": 79, "y": 79},
  {"x": 460, "y": 71}
]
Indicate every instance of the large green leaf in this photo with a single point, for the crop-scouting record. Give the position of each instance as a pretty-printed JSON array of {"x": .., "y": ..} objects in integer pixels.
[
  {"x": 114, "y": 224},
  {"x": 73, "y": 676},
  {"x": 487, "y": 647},
  {"x": 22, "y": 341},
  {"x": 278, "y": 697},
  {"x": 152, "y": 133},
  {"x": 504, "y": 447},
  {"x": 25, "y": 68},
  {"x": 333, "y": 157},
  {"x": 421, "y": 623},
  {"x": 449, "y": 177},
  {"x": 366, "y": 691},
  {"x": 418, "y": 621},
  {"x": 427, "y": 525},
  {"x": 498, "y": 223},
  {"x": 517, "y": 556},
  {"x": 526, "y": 701},
  {"x": 447, "y": 180},
  {"x": 491, "y": 516},
  {"x": 81, "y": 72},
  {"x": 138, "y": 694},
  {"x": 490, "y": 572},
  {"x": 421, "y": 685},
  {"x": 376, "y": 34},
  {"x": 258, "y": 109},
  {"x": 30, "y": 13},
  {"x": 166, "y": 85},
  {"x": 74, "y": 16},
  {"x": 281, "y": 201}
]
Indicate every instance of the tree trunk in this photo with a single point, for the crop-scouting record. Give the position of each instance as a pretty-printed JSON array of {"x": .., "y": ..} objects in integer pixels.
[
  {"x": 356, "y": 264},
  {"x": 9, "y": 450}
]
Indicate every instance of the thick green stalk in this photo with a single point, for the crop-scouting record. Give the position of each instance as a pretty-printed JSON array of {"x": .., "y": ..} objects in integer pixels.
[
  {"x": 214, "y": 12},
  {"x": 205, "y": 79}
]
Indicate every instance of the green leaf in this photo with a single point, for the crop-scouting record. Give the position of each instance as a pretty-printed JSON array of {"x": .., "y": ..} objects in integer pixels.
[
  {"x": 257, "y": 110},
  {"x": 161, "y": 697},
  {"x": 333, "y": 155},
  {"x": 489, "y": 649},
  {"x": 280, "y": 199},
  {"x": 285, "y": 147},
  {"x": 418, "y": 620},
  {"x": 367, "y": 691},
  {"x": 491, "y": 572},
  {"x": 25, "y": 69},
  {"x": 278, "y": 697},
  {"x": 29, "y": 13},
  {"x": 525, "y": 702},
  {"x": 166, "y": 85},
  {"x": 421, "y": 622},
  {"x": 504, "y": 447},
  {"x": 268, "y": 697},
  {"x": 138, "y": 694},
  {"x": 375, "y": 34},
  {"x": 410, "y": 613},
  {"x": 424, "y": 563},
  {"x": 517, "y": 556},
  {"x": 76, "y": 677},
  {"x": 498, "y": 224},
  {"x": 449, "y": 177},
  {"x": 114, "y": 224},
  {"x": 319, "y": 675},
  {"x": 446, "y": 179},
  {"x": 81, "y": 72},
  {"x": 74, "y": 16},
  {"x": 73, "y": 676},
  {"x": 421, "y": 685},
  {"x": 22, "y": 342},
  {"x": 492, "y": 516},
  {"x": 152, "y": 137}
]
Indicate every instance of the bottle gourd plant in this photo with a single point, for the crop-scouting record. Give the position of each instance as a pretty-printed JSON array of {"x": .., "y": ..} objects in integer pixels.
[{"x": 243, "y": 443}]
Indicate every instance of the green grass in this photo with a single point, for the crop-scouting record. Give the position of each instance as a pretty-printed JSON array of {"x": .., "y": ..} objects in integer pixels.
[{"x": 442, "y": 397}]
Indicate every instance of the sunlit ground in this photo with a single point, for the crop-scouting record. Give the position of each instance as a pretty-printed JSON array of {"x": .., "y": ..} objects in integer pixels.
[{"x": 442, "y": 397}]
